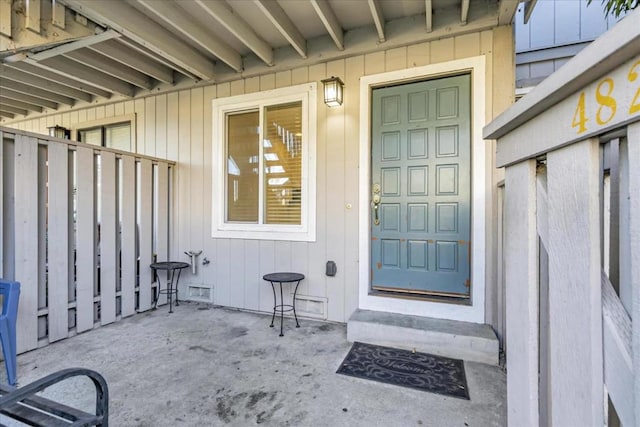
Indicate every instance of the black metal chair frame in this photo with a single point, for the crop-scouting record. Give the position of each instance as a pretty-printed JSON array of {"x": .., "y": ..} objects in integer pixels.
[{"x": 23, "y": 405}]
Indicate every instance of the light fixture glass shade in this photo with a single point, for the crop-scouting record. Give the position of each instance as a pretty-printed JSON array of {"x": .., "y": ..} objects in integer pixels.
[
  {"x": 333, "y": 90},
  {"x": 59, "y": 132}
]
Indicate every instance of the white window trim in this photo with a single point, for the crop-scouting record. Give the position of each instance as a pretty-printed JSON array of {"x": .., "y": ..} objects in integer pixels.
[
  {"x": 476, "y": 311},
  {"x": 307, "y": 93},
  {"x": 131, "y": 118}
]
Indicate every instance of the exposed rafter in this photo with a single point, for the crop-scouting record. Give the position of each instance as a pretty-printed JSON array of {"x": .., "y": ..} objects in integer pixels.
[
  {"x": 6, "y": 114},
  {"x": 173, "y": 15},
  {"x": 140, "y": 28},
  {"x": 378, "y": 18},
  {"x": 148, "y": 53},
  {"x": 19, "y": 104},
  {"x": 83, "y": 73},
  {"x": 328, "y": 18},
  {"x": 42, "y": 88},
  {"x": 72, "y": 46},
  {"x": 124, "y": 55},
  {"x": 35, "y": 24},
  {"x": 35, "y": 91},
  {"x": 506, "y": 11},
  {"x": 239, "y": 28},
  {"x": 109, "y": 66},
  {"x": 528, "y": 9},
  {"x": 464, "y": 11},
  {"x": 283, "y": 23},
  {"x": 13, "y": 110},
  {"x": 429, "y": 15},
  {"x": 79, "y": 90},
  {"x": 12, "y": 94}
]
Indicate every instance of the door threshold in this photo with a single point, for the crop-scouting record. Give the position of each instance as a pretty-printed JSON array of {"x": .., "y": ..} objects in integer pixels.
[{"x": 449, "y": 299}]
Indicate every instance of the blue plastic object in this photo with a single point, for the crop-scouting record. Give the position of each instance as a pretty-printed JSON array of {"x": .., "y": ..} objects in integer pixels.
[{"x": 10, "y": 292}]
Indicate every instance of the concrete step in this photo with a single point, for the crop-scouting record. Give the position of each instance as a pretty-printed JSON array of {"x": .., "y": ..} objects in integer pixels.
[{"x": 461, "y": 340}]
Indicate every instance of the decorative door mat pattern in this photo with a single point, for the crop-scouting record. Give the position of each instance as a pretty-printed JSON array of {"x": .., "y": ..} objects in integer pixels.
[{"x": 422, "y": 371}]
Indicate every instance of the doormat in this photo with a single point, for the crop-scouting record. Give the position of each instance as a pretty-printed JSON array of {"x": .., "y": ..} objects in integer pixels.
[{"x": 421, "y": 371}]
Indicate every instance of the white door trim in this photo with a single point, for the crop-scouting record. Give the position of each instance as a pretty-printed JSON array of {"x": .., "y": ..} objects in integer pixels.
[{"x": 470, "y": 313}]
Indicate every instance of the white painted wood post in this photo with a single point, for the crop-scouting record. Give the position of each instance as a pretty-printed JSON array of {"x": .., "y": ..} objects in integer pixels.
[
  {"x": 86, "y": 239},
  {"x": 26, "y": 242},
  {"x": 128, "y": 237},
  {"x": 633, "y": 150},
  {"x": 145, "y": 233},
  {"x": 521, "y": 272},
  {"x": 108, "y": 233},
  {"x": 57, "y": 241},
  {"x": 162, "y": 221},
  {"x": 575, "y": 297}
]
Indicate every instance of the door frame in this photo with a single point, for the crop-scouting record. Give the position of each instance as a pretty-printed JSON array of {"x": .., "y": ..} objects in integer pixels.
[{"x": 480, "y": 185}]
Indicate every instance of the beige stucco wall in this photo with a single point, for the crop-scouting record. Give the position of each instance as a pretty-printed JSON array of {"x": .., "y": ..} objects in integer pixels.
[{"x": 178, "y": 126}]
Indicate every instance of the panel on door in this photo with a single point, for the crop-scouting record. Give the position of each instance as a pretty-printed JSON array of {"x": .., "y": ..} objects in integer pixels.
[{"x": 421, "y": 187}]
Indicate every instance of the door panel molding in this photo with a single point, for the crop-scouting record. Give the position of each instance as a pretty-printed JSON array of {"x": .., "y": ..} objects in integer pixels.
[{"x": 475, "y": 312}]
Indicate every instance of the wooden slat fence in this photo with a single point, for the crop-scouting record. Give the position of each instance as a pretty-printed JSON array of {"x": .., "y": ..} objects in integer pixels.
[
  {"x": 571, "y": 153},
  {"x": 79, "y": 226}
]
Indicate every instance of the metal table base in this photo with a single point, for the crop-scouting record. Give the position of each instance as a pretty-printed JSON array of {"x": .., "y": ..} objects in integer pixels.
[{"x": 281, "y": 278}]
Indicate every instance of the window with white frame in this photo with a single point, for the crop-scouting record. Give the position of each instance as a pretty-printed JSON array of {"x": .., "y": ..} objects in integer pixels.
[
  {"x": 264, "y": 165},
  {"x": 117, "y": 134}
]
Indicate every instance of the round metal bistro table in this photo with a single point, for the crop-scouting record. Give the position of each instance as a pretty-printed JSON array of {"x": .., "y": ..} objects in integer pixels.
[
  {"x": 171, "y": 281},
  {"x": 280, "y": 278}
]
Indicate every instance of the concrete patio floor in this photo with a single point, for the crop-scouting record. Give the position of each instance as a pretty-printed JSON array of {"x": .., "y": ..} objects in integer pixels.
[{"x": 208, "y": 366}]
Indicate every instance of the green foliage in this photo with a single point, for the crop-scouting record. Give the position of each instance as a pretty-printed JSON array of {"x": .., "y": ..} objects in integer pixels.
[{"x": 618, "y": 7}]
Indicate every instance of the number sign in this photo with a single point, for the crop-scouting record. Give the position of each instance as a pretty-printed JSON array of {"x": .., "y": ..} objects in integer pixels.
[{"x": 610, "y": 100}]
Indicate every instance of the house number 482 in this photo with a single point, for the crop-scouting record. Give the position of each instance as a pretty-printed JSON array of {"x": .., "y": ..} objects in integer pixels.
[{"x": 607, "y": 105}]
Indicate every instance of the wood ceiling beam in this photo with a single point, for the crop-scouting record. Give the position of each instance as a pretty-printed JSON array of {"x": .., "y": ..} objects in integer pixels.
[
  {"x": 111, "y": 67},
  {"x": 148, "y": 53},
  {"x": 23, "y": 82},
  {"x": 328, "y": 18},
  {"x": 175, "y": 16},
  {"x": 34, "y": 91},
  {"x": 7, "y": 115},
  {"x": 378, "y": 18},
  {"x": 19, "y": 25},
  {"x": 279, "y": 18},
  {"x": 429, "y": 15},
  {"x": 19, "y": 104},
  {"x": 72, "y": 46},
  {"x": 239, "y": 28},
  {"x": 134, "y": 24},
  {"x": 77, "y": 71},
  {"x": 464, "y": 11},
  {"x": 32, "y": 15},
  {"x": 69, "y": 87},
  {"x": 18, "y": 96},
  {"x": 506, "y": 11},
  {"x": 124, "y": 55},
  {"x": 13, "y": 110},
  {"x": 528, "y": 9}
]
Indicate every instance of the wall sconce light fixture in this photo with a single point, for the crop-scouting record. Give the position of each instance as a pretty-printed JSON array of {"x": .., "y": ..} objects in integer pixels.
[
  {"x": 59, "y": 132},
  {"x": 333, "y": 90}
]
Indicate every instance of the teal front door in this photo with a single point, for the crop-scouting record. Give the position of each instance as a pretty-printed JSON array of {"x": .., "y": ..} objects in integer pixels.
[{"x": 421, "y": 188}]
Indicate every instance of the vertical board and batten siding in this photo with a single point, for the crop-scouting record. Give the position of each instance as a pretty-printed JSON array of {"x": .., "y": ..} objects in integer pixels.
[{"x": 178, "y": 126}]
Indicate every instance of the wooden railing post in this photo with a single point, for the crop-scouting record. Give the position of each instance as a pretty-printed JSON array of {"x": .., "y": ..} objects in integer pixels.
[
  {"x": 86, "y": 243},
  {"x": 633, "y": 146},
  {"x": 575, "y": 297},
  {"x": 521, "y": 272}
]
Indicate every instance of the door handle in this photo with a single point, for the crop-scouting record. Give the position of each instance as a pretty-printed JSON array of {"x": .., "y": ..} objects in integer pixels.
[{"x": 376, "y": 207}]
